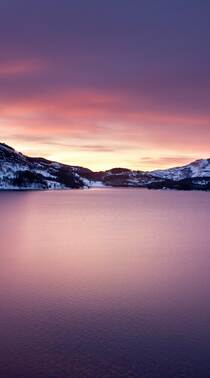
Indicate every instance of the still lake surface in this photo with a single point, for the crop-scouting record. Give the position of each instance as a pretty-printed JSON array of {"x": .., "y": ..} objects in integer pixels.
[{"x": 105, "y": 283}]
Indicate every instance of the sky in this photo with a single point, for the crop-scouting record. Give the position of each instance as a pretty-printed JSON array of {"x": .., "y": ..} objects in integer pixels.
[{"x": 102, "y": 84}]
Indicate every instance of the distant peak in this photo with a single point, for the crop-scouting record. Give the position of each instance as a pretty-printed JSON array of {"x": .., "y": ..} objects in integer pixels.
[{"x": 118, "y": 170}]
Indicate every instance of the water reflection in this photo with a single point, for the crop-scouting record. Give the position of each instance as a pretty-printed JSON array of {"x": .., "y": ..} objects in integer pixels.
[{"x": 107, "y": 283}]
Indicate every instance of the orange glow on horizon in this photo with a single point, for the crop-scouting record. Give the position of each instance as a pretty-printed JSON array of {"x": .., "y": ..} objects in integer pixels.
[{"x": 102, "y": 131}]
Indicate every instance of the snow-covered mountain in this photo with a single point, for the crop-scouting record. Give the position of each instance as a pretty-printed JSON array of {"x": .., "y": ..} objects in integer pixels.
[
  {"x": 20, "y": 172},
  {"x": 199, "y": 168}
]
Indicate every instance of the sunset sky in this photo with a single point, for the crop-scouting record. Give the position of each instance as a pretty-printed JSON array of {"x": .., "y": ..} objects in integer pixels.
[{"x": 106, "y": 83}]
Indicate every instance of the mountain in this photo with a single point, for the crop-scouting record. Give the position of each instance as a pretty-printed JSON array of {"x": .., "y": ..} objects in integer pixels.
[
  {"x": 20, "y": 172},
  {"x": 199, "y": 168}
]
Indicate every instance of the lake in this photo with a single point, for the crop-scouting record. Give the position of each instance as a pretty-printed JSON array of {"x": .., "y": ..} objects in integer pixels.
[{"x": 105, "y": 283}]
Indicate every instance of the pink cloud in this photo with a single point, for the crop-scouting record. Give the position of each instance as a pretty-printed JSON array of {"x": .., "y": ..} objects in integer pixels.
[
  {"x": 18, "y": 68},
  {"x": 107, "y": 120}
]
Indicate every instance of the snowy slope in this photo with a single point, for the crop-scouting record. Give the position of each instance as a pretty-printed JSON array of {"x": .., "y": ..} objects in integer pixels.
[
  {"x": 19, "y": 172},
  {"x": 199, "y": 168}
]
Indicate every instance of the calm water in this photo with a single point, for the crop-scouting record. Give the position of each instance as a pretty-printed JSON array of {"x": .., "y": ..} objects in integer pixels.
[{"x": 105, "y": 283}]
